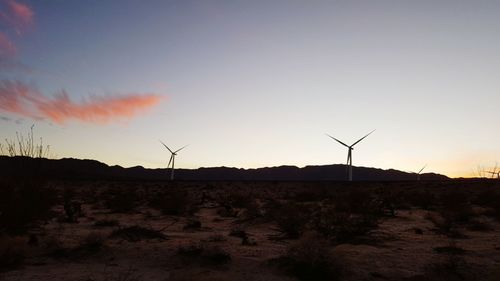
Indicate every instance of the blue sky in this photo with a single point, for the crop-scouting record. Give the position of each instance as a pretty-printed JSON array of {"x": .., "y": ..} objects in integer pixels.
[{"x": 259, "y": 83}]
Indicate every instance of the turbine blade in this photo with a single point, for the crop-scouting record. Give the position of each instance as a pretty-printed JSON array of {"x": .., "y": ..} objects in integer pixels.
[
  {"x": 338, "y": 141},
  {"x": 422, "y": 168},
  {"x": 180, "y": 148},
  {"x": 170, "y": 161},
  {"x": 362, "y": 138},
  {"x": 166, "y": 147}
]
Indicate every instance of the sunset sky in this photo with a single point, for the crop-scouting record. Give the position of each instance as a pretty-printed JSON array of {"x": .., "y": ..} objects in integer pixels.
[{"x": 256, "y": 83}]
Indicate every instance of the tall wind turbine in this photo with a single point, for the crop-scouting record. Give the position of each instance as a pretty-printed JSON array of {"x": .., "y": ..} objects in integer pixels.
[
  {"x": 418, "y": 174},
  {"x": 172, "y": 159},
  {"x": 349, "y": 153}
]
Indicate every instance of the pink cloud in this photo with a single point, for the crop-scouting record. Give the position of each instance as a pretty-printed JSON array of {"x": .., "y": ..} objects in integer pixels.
[
  {"x": 17, "y": 15},
  {"x": 7, "y": 48},
  {"x": 16, "y": 97}
]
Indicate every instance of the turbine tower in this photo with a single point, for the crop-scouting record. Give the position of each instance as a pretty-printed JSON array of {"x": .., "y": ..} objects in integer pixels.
[
  {"x": 349, "y": 153},
  {"x": 418, "y": 174},
  {"x": 172, "y": 159}
]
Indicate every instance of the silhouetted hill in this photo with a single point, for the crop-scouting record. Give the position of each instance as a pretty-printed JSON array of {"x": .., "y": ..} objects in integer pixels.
[{"x": 76, "y": 169}]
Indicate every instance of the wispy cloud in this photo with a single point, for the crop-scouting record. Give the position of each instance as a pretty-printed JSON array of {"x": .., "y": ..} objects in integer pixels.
[
  {"x": 7, "y": 48},
  {"x": 17, "y": 15},
  {"x": 21, "y": 99},
  {"x": 15, "y": 18}
]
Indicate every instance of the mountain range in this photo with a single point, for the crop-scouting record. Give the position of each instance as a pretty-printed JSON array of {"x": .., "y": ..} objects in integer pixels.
[{"x": 77, "y": 169}]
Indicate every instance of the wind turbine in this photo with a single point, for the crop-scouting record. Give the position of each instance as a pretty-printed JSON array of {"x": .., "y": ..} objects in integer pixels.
[
  {"x": 349, "y": 153},
  {"x": 494, "y": 172},
  {"x": 418, "y": 174},
  {"x": 172, "y": 159}
]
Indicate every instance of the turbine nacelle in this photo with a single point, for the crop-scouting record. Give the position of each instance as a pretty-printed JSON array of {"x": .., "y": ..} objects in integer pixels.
[
  {"x": 172, "y": 158},
  {"x": 349, "y": 153}
]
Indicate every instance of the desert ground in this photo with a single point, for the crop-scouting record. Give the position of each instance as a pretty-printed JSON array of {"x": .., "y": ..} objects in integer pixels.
[{"x": 113, "y": 230}]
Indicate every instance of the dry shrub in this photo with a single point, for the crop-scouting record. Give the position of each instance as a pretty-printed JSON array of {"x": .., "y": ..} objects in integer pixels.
[
  {"x": 310, "y": 195},
  {"x": 91, "y": 244},
  {"x": 237, "y": 198},
  {"x": 12, "y": 252},
  {"x": 55, "y": 248},
  {"x": 24, "y": 196},
  {"x": 456, "y": 207},
  {"x": 137, "y": 233},
  {"x": 23, "y": 202},
  {"x": 250, "y": 212},
  {"x": 444, "y": 225},
  {"x": 479, "y": 224},
  {"x": 490, "y": 199},
  {"x": 342, "y": 227},
  {"x": 452, "y": 268},
  {"x": 122, "y": 200},
  {"x": 455, "y": 211},
  {"x": 419, "y": 199},
  {"x": 291, "y": 219},
  {"x": 310, "y": 258},
  {"x": 106, "y": 223},
  {"x": 216, "y": 237},
  {"x": 205, "y": 253},
  {"x": 173, "y": 201}
]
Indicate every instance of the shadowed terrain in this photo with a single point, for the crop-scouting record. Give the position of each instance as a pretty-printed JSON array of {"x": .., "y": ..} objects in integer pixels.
[{"x": 252, "y": 230}]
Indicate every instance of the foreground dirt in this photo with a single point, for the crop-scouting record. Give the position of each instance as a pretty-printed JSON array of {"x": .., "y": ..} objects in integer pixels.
[{"x": 408, "y": 245}]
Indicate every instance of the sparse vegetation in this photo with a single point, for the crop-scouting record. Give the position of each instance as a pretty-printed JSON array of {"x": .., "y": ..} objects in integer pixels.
[
  {"x": 24, "y": 195},
  {"x": 136, "y": 233},
  {"x": 308, "y": 235}
]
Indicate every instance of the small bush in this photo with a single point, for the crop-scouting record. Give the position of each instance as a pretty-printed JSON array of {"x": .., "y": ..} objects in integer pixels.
[
  {"x": 479, "y": 224},
  {"x": 91, "y": 244},
  {"x": 456, "y": 207},
  {"x": 136, "y": 233},
  {"x": 444, "y": 225},
  {"x": 205, "y": 253},
  {"x": 192, "y": 224},
  {"x": 310, "y": 259},
  {"x": 216, "y": 237},
  {"x": 173, "y": 201},
  {"x": 450, "y": 249},
  {"x": 291, "y": 219},
  {"x": 420, "y": 199},
  {"x": 452, "y": 267},
  {"x": 252, "y": 211},
  {"x": 342, "y": 227},
  {"x": 122, "y": 201},
  {"x": 489, "y": 199},
  {"x": 12, "y": 252},
  {"x": 106, "y": 223}
]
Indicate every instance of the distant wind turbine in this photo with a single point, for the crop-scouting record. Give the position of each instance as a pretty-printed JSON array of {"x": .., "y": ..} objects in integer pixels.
[
  {"x": 418, "y": 174},
  {"x": 349, "y": 153},
  {"x": 172, "y": 159},
  {"x": 494, "y": 172}
]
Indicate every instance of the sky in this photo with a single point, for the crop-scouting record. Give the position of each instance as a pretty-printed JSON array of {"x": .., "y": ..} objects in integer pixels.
[{"x": 256, "y": 83}]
